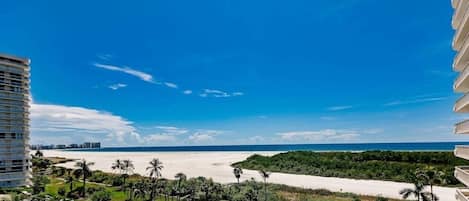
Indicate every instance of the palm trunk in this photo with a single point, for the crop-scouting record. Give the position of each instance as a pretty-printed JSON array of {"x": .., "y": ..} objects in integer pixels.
[
  {"x": 123, "y": 184},
  {"x": 431, "y": 191},
  {"x": 71, "y": 185},
  {"x": 84, "y": 184}
]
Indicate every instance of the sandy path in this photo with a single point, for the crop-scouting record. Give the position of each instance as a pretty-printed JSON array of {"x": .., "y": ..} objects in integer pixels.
[{"x": 216, "y": 165}]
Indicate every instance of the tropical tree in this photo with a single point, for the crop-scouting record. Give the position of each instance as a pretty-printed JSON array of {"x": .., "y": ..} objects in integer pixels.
[
  {"x": 127, "y": 169},
  {"x": 155, "y": 173},
  {"x": 69, "y": 179},
  {"x": 265, "y": 175},
  {"x": 138, "y": 189},
  {"x": 84, "y": 170},
  {"x": 181, "y": 177},
  {"x": 237, "y": 173},
  {"x": 39, "y": 154},
  {"x": 117, "y": 165},
  {"x": 418, "y": 192},
  {"x": 430, "y": 176}
]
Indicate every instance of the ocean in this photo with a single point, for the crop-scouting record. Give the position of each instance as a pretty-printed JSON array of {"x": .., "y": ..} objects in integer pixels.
[{"x": 420, "y": 146}]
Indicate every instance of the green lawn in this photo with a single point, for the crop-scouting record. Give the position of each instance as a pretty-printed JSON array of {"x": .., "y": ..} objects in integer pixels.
[{"x": 56, "y": 183}]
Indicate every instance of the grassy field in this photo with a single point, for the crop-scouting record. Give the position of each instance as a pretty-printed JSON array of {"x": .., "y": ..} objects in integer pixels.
[{"x": 56, "y": 184}]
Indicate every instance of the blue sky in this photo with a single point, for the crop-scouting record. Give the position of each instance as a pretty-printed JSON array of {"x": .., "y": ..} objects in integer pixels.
[{"x": 236, "y": 72}]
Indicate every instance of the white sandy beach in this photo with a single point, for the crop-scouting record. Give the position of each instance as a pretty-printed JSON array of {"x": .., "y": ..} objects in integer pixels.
[{"x": 216, "y": 165}]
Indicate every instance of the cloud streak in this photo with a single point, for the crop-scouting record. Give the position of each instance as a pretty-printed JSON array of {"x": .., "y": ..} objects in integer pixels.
[
  {"x": 117, "y": 86},
  {"x": 413, "y": 101},
  {"x": 319, "y": 136},
  {"x": 219, "y": 93},
  {"x": 139, "y": 74},
  {"x": 339, "y": 108}
]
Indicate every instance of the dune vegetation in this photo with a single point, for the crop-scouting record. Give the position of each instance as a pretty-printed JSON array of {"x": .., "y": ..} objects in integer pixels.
[{"x": 376, "y": 165}]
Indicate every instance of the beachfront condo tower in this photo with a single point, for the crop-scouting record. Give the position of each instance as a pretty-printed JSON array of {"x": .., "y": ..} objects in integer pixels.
[
  {"x": 14, "y": 121},
  {"x": 460, "y": 24}
]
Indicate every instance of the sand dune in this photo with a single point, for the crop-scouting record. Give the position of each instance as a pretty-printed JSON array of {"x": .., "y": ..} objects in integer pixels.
[{"x": 216, "y": 165}]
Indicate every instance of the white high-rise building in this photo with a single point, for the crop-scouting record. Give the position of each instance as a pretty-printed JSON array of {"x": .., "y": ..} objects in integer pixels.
[{"x": 15, "y": 162}]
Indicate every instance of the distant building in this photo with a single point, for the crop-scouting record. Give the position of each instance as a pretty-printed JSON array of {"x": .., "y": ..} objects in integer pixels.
[
  {"x": 92, "y": 145},
  {"x": 60, "y": 146},
  {"x": 14, "y": 121},
  {"x": 96, "y": 145},
  {"x": 73, "y": 146},
  {"x": 460, "y": 44}
]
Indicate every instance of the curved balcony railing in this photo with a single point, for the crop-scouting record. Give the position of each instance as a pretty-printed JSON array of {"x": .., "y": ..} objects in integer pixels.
[
  {"x": 462, "y": 194},
  {"x": 462, "y": 104},
  {"x": 462, "y": 174},
  {"x": 461, "y": 30}
]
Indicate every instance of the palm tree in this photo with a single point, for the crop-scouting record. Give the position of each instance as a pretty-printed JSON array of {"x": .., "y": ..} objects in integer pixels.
[
  {"x": 265, "y": 175},
  {"x": 69, "y": 179},
  {"x": 180, "y": 177},
  {"x": 38, "y": 154},
  {"x": 127, "y": 168},
  {"x": 418, "y": 192},
  {"x": 117, "y": 165},
  {"x": 155, "y": 173},
  {"x": 237, "y": 173},
  {"x": 431, "y": 177},
  {"x": 139, "y": 190},
  {"x": 84, "y": 170}
]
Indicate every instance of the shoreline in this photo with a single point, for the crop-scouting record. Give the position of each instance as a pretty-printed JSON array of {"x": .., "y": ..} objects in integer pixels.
[{"x": 217, "y": 165}]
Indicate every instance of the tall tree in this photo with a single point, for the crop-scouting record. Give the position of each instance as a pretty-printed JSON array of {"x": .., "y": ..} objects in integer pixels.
[
  {"x": 85, "y": 171},
  {"x": 117, "y": 165},
  {"x": 418, "y": 192},
  {"x": 69, "y": 179},
  {"x": 237, "y": 173},
  {"x": 127, "y": 168},
  {"x": 265, "y": 175},
  {"x": 154, "y": 169},
  {"x": 181, "y": 177},
  {"x": 431, "y": 176}
]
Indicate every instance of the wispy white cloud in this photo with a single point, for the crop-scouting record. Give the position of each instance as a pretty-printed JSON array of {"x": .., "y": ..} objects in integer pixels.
[
  {"x": 159, "y": 138},
  {"x": 60, "y": 120},
  {"x": 340, "y": 107},
  {"x": 218, "y": 93},
  {"x": 140, "y": 74},
  {"x": 171, "y": 85},
  {"x": 117, "y": 86},
  {"x": 204, "y": 136},
  {"x": 319, "y": 136},
  {"x": 413, "y": 101},
  {"x": 172, "y": 130},
  {"x": 187, "y": 92}
]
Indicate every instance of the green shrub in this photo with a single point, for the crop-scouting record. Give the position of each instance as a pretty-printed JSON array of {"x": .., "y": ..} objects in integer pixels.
[
  {"x": 101, "y": 196},
  {"x": 61, "y": 191}
]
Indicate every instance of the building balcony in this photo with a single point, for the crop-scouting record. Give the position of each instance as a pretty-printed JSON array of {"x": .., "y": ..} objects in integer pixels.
[
  {"x": 460, "y": 23},
  {"x": 454, "y": 3},
  {"x": 23, "y": 175},
  {"x": 461, "y": 84},
  {"x": 462, "y": 151},
  {"x": 462, "y": 104},
  {"x": 461, "y": 59},
  {"x": 462, "y": 194},
  {"x": 462, "y": 174},
  {"x": 462, "y": 127},
  {"x": 459, "y": 10}
]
